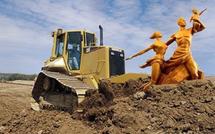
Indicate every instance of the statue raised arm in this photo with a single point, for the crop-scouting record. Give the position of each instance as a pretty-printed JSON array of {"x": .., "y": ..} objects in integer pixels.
[{"x": 197, "y": 25}]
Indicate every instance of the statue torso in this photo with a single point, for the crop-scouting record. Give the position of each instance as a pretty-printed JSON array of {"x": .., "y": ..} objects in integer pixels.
[
  {"x": 183, "y": 38},
  {"x": 159, "y": 48}
]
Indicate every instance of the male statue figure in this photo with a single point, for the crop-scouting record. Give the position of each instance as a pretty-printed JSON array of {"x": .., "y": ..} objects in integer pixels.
[{"x": 182, "y": 54}]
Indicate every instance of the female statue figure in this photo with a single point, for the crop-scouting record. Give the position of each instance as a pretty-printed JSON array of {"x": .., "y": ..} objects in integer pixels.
[{"x": 159, "y": 47}]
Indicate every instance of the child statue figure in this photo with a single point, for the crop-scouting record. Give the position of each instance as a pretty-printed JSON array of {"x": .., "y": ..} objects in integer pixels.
[
  {"x": 196, "y": 19},
  {"x": 156, "y": 62}
]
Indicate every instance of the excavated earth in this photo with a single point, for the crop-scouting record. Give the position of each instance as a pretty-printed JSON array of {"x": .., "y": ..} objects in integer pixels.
[{"x": 188, "y": 107}]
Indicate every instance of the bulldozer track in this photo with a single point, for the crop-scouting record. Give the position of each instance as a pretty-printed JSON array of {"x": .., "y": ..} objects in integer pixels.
[{"x": 67, "y": 92}]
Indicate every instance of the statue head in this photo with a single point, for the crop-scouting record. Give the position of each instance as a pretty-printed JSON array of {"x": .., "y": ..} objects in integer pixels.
[
  {"x": 195, "y": 11},
  {"x": 156, "y": 35},
  {"x": 181, "y": 22}
]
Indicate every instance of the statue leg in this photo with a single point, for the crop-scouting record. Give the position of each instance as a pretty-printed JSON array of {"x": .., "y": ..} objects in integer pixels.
[
  {"x": 192, "y": 68},
  {"x": 154, "y": 76}
]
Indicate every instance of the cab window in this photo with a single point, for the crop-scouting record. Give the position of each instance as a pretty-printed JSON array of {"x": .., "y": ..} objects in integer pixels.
[
  {"x": 59, "y": 45},
  {"x": 90, "y": 39},
  {"x": 74, "y": 50}
]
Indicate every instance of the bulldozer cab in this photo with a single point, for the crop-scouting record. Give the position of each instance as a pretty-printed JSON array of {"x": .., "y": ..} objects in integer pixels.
[{"x": 69, "y": 45}]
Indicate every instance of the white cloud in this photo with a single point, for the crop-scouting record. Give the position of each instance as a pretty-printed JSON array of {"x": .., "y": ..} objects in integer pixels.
[{"x": 127, "y": 24}]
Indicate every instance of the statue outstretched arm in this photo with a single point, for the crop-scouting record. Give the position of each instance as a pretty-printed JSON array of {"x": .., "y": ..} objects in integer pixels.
[
  {"x": 171, "y": 40},
  {"x": 140, "y": 52}
]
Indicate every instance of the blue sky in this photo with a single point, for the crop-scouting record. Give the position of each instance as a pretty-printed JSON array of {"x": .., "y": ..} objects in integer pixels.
[{"x": 26, "y": 26}]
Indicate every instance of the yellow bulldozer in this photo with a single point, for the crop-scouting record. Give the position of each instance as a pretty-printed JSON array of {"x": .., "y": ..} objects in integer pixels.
[{"x": 76, "y": 65}]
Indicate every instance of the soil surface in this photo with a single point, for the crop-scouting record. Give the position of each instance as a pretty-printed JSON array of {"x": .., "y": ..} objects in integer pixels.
[{"x": 188, "y": 107}]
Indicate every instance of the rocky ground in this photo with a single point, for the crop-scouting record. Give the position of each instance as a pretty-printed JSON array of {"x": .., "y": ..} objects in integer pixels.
[{"x": 188, "y": 107}]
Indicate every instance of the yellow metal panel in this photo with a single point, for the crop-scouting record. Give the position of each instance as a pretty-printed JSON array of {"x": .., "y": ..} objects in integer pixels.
[
  {"x": 125, "y": 77},
  {"x": 90, "y": 80},
  {"x": 95, "y": 61}
]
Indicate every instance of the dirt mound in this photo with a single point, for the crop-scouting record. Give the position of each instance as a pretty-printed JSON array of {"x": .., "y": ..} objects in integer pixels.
[
  {"x": 13, "y": 98},
  {"x": 44, "y": 122},
  {"x": 187, "y": 107},
  {"x": 17, "y": 117},
  {"x": 97, "y": 103}
]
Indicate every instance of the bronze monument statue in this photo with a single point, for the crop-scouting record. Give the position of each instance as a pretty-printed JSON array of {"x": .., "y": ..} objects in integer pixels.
[{"x": 181, "y": 65}]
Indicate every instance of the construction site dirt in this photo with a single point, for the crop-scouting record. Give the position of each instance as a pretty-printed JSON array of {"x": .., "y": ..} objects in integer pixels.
[{"x": 188, "y": 107}]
